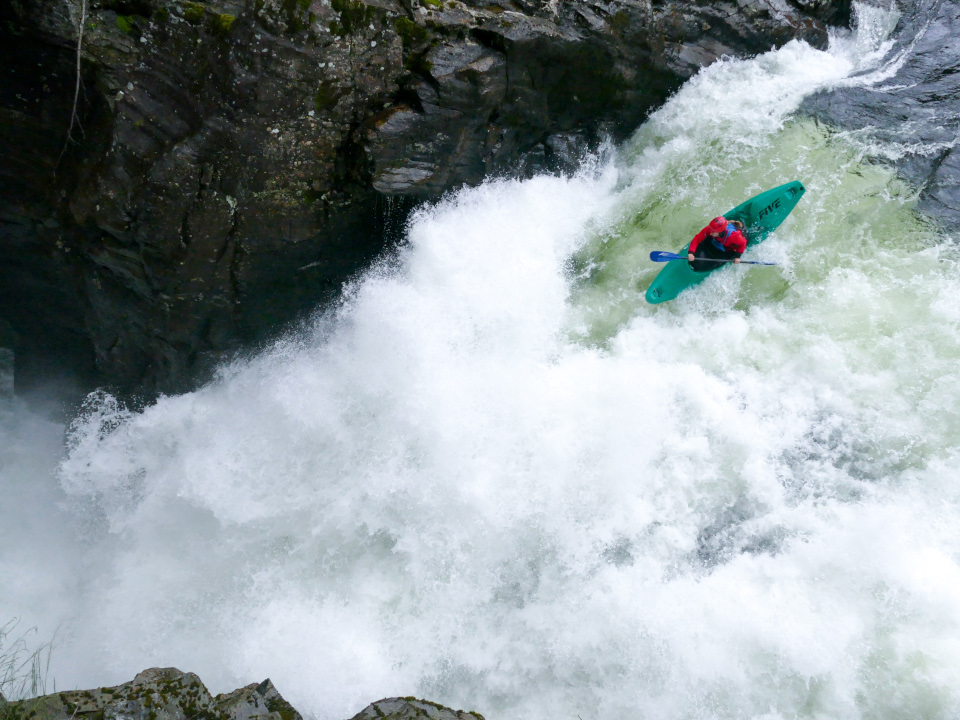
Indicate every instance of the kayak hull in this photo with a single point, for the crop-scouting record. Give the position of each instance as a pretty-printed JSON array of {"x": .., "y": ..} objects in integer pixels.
[{"x": 761, "y": 215}]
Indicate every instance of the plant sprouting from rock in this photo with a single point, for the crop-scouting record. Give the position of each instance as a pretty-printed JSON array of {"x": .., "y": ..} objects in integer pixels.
[{"x": 23, "y": 673}]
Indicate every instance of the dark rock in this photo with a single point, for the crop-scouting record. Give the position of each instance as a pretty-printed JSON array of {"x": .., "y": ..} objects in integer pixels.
[
  {"x": 235, "y": 161},
  {"x": 831, "y": 12},
  {"x": 6, "y": 373},
  {"x": 913, "y": 115}
]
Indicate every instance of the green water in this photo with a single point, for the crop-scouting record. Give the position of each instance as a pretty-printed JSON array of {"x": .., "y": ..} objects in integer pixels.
[{"x": 856, "y": 216}]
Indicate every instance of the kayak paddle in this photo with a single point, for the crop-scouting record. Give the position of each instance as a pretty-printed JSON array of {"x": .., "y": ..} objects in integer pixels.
[{"x": 660, "y": 256}]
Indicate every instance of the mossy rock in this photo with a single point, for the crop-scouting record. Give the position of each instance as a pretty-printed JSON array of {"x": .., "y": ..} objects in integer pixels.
[
  {"x": 410, "y": 33},
  {"x": 296, "y": 14},
  {"x": 620, "y": 20},
  {"x": 282, "y": 707},
  {"x": 220, "y": 24},
  {"x": 132, "y": 24},
  {"x": 354, "y": 15},
  {"x": 327, "y": 96},
  {"x": 193, "y": 12}
]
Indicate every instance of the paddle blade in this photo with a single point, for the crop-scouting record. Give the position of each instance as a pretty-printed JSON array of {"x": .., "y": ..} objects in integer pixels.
[{"x": 660, "y": 256}]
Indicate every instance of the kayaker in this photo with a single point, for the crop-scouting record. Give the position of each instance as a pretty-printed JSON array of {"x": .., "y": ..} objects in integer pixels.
[{"x": 722, "y": 239}]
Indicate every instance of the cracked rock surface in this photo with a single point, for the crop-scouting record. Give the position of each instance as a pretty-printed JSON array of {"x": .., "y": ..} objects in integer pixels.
[{"x": 236, "y": 160}]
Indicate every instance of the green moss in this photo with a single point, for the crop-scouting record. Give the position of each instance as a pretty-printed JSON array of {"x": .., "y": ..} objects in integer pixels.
[
  {"x": 279, "y": 705},
  {"x": 419, "y": 64},
  {"x": 327, "y": 96},
  {"x": 410, "y": 33},
  {"x": 620, "y": 20},
  {"x": 297, "y": 15},
  {"x": 125, "y": 23},
  {"x": 220, "y": 24},
  {"x": 434, "y": 3},
  {"x": 354, "y": 15},
  {"x": 193, "y": 12}
]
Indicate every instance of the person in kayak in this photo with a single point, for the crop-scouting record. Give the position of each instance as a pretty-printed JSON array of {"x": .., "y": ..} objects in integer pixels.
[{"x": 722, "y": 239}]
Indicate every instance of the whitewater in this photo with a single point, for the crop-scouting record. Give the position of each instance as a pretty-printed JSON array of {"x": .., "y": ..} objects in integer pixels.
[{"x": 494, "y": 477}]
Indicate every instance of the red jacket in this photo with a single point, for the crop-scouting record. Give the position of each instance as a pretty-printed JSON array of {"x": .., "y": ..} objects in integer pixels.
[{"x": 731, "y": 239}]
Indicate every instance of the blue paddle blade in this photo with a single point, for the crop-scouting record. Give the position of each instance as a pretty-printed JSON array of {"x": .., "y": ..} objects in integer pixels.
[{"x": 661, "y": 256}]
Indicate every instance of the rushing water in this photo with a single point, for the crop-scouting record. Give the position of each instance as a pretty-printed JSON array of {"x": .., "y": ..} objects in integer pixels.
[{"x": 496, "y": 477}]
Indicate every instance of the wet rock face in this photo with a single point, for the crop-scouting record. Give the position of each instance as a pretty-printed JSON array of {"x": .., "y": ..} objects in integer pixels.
[
  {"x": 236, "y": 160},
  {"x": 913, "y": 115}
]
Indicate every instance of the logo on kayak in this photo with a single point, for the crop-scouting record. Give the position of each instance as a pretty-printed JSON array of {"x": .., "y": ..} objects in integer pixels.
[{"x": 769, "y": 209}]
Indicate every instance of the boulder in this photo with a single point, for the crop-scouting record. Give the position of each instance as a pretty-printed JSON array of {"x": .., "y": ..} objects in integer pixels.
[
  {"x": 156, "y": 694},
  {"x": 170, "y": 694},
  {"x": 408, "y": 708}
]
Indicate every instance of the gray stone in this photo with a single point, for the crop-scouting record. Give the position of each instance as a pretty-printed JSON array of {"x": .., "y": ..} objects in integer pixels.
[
  {"x": 412, "y": 709},
  {"x": 157, "y": 694},
  {"x": 256, "y": 702},
  {"x": 170, "y": 694}
]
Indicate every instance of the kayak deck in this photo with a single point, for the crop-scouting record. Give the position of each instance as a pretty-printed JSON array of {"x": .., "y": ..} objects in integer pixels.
[{"x": 761, "y": 215}]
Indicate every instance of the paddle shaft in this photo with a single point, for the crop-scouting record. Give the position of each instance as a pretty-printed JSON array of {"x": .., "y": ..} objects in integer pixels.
[{"x": 661, "y": 256}]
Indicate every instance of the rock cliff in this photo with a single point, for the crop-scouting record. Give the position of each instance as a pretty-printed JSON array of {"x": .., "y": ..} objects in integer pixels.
[
  {"x": 232, "y": 162},
  {"x": 912, "y": 116}
]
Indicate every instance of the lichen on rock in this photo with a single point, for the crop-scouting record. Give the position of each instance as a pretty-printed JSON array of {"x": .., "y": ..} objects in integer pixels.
[
  {"x": 156, "y": 694},
  {"x": 170, "y": 694}
]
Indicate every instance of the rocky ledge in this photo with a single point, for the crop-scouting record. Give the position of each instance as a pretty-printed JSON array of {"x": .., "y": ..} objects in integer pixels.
[
  {"x": 911, "y": 117},
  {"x": 169, "y": 694},
  {"x": 232, "y": 162}
]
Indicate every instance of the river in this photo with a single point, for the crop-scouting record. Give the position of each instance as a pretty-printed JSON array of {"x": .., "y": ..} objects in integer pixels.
[{"x": 493, "y": 476}]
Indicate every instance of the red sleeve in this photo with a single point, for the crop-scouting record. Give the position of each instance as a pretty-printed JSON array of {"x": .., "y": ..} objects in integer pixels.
[
  {"x": 697, "y": 239},
  {"x": 736, "y": 242}
]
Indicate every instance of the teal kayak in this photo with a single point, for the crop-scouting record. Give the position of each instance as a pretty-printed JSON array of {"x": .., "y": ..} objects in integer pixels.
[{"x": 761, "y": 215}]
